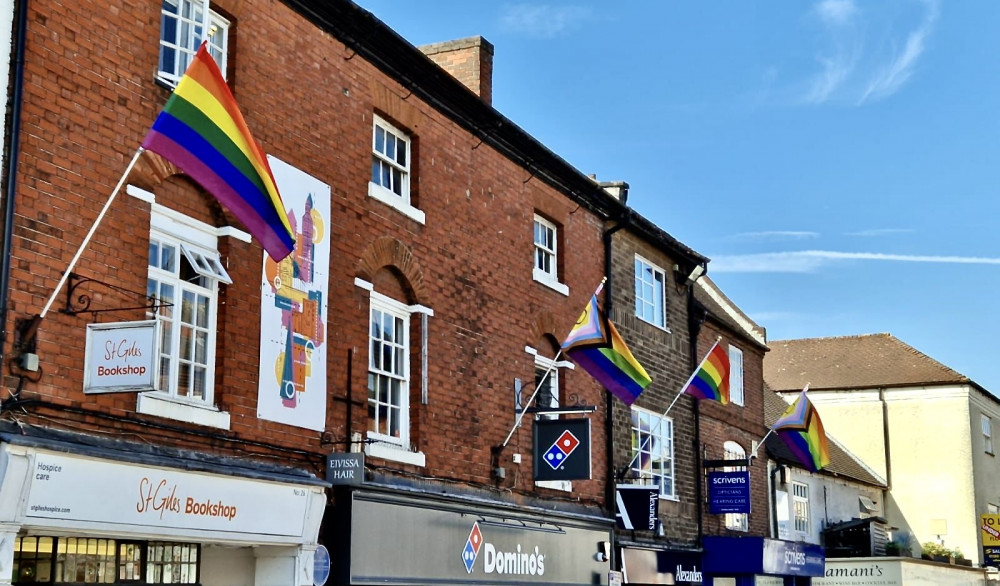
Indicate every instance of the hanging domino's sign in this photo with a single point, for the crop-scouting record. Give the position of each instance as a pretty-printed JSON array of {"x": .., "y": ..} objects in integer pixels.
[
  {"x": 562, "y": 449},
  {"x": 518, "y": 561}
]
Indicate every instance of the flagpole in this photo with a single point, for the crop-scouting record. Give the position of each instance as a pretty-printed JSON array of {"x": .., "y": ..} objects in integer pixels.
[
  {"x": 671, "y": 406},
  {"x": 538, "y": 387},
  {"x": 541, "y": 381},
  {"x": 93, "y": 228}
]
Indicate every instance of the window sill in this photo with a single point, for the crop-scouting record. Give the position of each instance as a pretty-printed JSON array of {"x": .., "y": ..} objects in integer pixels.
[
  {"x": 396, "y": 202},
  {"x": 563, "y": 485},
  {"x": 655, "y": 325},
  {"x": 162, "y": 405},
  {"x": 545, "y": 279},
  {"x": 395, "y": 453}
]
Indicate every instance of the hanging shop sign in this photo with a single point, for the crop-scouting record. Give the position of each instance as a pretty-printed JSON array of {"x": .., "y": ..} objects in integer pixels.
[
  {"x": 562, "y": 449},
  {"x": 728, "y": 492},
  {"x": 121, "y": 357},
  {"x": 636, "y": 506},
  {"x": 345, "y": 469}
]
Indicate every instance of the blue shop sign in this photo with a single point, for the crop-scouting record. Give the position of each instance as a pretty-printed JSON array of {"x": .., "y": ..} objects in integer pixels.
[
  {"x": 728, "y": 556},
  {"x": 729, "y": 492}
]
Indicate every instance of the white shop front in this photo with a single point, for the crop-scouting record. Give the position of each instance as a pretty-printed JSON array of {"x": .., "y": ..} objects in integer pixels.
[{"x": 73, "y": 513}]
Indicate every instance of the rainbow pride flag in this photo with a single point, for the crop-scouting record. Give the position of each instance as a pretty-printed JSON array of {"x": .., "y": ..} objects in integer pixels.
[
  {"x": 202, "y": 132},
  {"x": 711, "y": 380},
  {"x": 801, "y": 429},
  {"x": 598, "y": 348}
]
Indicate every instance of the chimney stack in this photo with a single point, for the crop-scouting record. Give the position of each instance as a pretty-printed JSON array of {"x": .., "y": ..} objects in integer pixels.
[{"x": 470, "y": 61}]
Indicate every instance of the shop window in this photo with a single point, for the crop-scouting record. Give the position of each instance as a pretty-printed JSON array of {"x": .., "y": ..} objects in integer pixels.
[
  {"x": 800, "y": 506},
  {"x": 79, "y": 560},
  {"x": 390, "y": 347},
  {"x": 182, "y": 29},
  {"x": 650, "y": 293},
  {"x": 987, "y": 425},
  {"x": 546, "y": 255},
  {"x": 735, "y": 521},
  {"x": 392, "y": 160},
  {"x": 653, "y": 450},
  {"x": 735, "y": 375},
  {"x": 548, "y": 397}
]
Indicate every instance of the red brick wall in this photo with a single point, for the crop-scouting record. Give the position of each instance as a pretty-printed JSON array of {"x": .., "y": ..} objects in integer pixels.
[
  {"x": 89, "y": 100},
  {"x": 741, "y": 424}
]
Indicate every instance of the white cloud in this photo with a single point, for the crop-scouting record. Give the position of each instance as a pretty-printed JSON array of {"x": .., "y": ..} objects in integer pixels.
[
  {"x": 775, "y": 235},
  {"x": 899, "y": 70},
  {"x": 880, "y": 232},
  {"x": 853, "y": 70},
  {"x": 542, "y": 21},
  {"x": 836, "y": 12},
  {"x": 808, "y": 261}
]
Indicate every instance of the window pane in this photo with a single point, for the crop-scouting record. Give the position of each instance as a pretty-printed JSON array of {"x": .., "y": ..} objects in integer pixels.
[
  {"x": 187, "y": 307},
  {"x": 376, "y": 170},
  {"x": 401, "y": 155},
  {"x": 397, "y": 182},
  {"x": 379, "y": 139},
  {"x": 202, "y": 312},
  {"x": 390, "y": 146}
]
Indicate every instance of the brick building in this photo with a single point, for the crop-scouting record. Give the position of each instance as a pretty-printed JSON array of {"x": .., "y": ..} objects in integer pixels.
[{"x": 443, "y": 255}]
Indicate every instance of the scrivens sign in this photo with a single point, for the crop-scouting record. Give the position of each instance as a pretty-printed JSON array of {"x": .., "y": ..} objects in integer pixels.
[
  {"x": 521, "y": 561},
  {"x": 68, "y": 488}
]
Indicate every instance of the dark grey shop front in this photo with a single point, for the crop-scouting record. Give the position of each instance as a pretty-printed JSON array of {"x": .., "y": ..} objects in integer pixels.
[{"x": 404, "y": 539}]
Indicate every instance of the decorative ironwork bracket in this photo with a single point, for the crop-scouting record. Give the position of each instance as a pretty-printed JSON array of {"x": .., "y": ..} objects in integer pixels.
[{"x": 79, "y": 302}]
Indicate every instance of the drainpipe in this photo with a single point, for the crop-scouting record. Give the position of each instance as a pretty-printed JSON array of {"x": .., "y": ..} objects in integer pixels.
[
  {"x": 885, "y": 438},
  {"x": 609, "y": 489},
  {"x": 13, "y": 150},
  {"x": 696, "y": 317}
]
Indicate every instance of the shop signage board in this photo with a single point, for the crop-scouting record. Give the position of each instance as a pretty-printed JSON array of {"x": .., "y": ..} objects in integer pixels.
[
  {"x": 562, "y": 449},
  {"x": 68, "y": 488},
  {"x": 345, "y": 469},
  {"x": 637, "y": 506},
  {"x": 792, "y": 558},
  {"x": 860, "y": 572},
  {"x": 418, "y": 543},
  {"x": 989, "y": 526},
  {"x": 121, "y": 357},
  {"x": 728, "y": 492}
]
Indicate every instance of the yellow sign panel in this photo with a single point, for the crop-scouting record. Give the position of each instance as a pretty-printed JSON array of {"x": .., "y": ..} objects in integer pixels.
[{"x": 990, "y": 527}]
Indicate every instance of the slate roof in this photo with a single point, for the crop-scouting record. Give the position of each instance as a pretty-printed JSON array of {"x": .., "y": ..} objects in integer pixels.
[
  {"x": 842, "y": 464},
  {"x": 852, "y": 362}
]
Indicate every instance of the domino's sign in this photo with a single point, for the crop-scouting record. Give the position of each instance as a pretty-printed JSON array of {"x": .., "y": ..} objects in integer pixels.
[
  {"x": 562, "y": 449},
  {"x": 519, "y": 562}
]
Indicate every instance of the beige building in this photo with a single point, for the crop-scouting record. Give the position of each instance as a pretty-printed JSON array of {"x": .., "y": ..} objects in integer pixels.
[{"x": 925, "y": 428}]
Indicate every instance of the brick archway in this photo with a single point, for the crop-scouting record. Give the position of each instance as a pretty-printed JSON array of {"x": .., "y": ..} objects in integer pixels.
[{"x": 390, "y": 252}]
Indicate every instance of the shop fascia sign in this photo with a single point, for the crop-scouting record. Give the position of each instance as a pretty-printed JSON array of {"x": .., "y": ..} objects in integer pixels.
[
  {"x": 121, "y": 357},
  {"x": 514, "y": 561}
]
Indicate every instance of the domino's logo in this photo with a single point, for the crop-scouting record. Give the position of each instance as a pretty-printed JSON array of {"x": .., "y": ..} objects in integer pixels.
[
  {"x": 472, "y": 545},
  {"x": 561, "y": 449}
]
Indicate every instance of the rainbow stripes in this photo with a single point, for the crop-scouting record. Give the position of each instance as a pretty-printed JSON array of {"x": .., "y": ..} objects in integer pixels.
[
  {"x": 711, "y": 380},
  {"x": 202, "y": 132},
  {"x": 596, "y": 346},
  {"x": 801, "y": 429}
]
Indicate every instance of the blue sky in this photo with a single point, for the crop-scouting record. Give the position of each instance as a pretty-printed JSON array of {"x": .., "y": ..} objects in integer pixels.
[{"x": 838, "y": 160}]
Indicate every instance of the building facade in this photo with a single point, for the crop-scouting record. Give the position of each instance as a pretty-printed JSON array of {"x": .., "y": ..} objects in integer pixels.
[
  {"x": 897, "y": 409},
  {"x": 369, "y": 392}
]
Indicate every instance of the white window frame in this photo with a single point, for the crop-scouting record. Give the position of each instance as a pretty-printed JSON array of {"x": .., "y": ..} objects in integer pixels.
[
  {"x": 736, "y": 388},
  {"x": 800, "y": 507},
  {"x": 200, "y": 240},
  {"x": 398, "y": 448},
  {"x": 399, "y": 201},
  {"x": 647, "y": 424},
  {"x": 987, "y": 426},
  {"x": 650, "y": 293},
  {"x": 190, "y": 23},
  {"x": 734, "y": 451},
  {"x": 544, "y": 364},
  {"x": 546, "y": 249}
]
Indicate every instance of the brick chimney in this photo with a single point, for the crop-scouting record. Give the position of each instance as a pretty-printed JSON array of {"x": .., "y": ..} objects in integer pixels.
[{"x": 470, "y": 61}]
